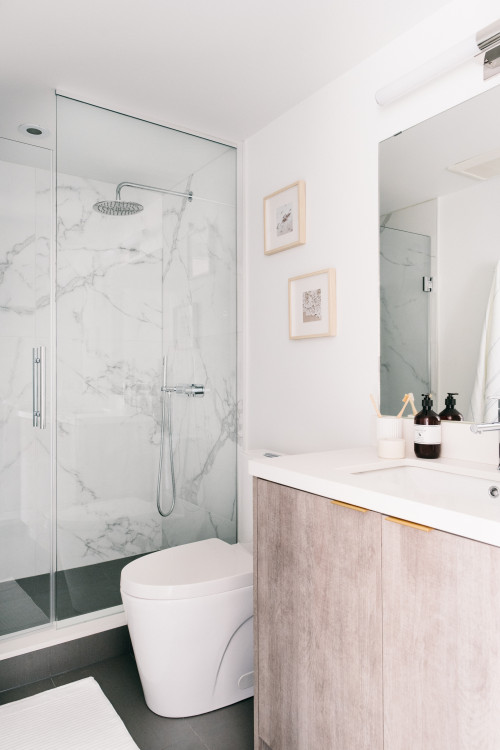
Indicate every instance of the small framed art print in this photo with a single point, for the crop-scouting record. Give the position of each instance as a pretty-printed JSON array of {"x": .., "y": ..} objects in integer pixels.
[
  {"x": 312, "y": 305},
  {"x": 285, "y": 218}
]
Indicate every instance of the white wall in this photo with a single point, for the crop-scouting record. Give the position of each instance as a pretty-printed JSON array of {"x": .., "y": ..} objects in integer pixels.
[{"x": 314, "y": 394}]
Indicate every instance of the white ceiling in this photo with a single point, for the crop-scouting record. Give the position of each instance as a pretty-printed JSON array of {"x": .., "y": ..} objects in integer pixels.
[{"x": 225, "y": 68}]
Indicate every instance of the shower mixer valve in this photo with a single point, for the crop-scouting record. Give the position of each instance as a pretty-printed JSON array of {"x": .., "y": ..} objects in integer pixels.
[{"x": 185, "y": 390}]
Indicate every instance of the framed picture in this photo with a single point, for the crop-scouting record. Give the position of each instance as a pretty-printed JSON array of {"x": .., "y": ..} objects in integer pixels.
[
  {"x": 312, "y": 305},
  {"x": 285, "y": 218}
]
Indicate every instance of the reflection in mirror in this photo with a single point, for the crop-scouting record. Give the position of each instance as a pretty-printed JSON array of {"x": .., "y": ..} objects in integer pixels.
[
  {"x": 439, "y": 189},
  {"x": 405, "y": 259}
]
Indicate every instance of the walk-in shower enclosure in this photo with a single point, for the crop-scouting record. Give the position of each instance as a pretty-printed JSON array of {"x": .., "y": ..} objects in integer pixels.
[
  {"x": 405, "y": 317},
  {"x": 91, "y": 306}
]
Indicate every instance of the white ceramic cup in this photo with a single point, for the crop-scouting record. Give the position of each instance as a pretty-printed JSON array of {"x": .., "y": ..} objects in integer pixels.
[
  {"x": 389, "y": 428},
  {"x": 391, "y": 448}
]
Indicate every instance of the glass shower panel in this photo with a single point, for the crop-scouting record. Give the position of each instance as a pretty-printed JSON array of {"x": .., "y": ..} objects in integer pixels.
[
  {"x": 25, "y": 448},
  {"x": 199, "y": 322},
  {"x": 131, "y": 291},
  {"x": 405, "y": 259}
]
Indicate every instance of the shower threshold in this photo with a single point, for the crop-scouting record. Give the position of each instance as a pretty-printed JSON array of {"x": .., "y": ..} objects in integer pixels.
[{"x": 79, "y": 592}]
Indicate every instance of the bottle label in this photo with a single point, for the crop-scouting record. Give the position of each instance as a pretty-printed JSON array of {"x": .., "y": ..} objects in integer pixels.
[{"x": 428, "y": 434}]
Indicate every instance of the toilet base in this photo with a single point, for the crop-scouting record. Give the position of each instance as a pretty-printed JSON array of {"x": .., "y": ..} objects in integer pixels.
[{"x": 193, "y": 655}]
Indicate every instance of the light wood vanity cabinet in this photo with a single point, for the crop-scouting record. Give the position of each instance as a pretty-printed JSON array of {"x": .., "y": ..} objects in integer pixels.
[
  {"x": 441, "y": 597},
  {"x": 371, "y": 635},
  {"x": 319, "y": 631}
]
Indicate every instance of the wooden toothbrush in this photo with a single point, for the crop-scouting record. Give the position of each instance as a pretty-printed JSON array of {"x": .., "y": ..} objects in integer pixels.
[
  {"x": 412, "y": 403},
  {"x": 405, "y": 401},
  {"x": 377, "y": 410}
]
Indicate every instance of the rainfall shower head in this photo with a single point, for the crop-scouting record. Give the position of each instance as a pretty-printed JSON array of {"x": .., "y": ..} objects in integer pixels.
[
  {"x": 118, "y": 208},
  {"x": 127, "y": 208}
]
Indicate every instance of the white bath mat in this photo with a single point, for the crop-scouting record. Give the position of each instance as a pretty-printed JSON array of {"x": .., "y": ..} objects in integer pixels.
[{"x": 77, "y": 716}]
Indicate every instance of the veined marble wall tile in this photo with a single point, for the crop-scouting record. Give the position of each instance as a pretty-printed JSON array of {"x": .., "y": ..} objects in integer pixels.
[
  {"x": 404, "y": 317},
  {"x": 200, "y": 341},
  {"x": 192, "y": 523},
  {"x": 130, "y": 289},
  {"x": 109, "y": 311}
]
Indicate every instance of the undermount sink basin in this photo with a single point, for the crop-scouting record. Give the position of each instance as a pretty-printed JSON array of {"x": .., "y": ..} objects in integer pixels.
[{"x": 422, "y": 483}]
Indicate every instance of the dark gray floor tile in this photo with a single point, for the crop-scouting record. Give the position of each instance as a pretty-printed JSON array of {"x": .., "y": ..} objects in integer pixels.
[
  {"x": 119, "y": 681},
  {"x": 229, "y": 728},
  {"x": 190, "y": 741},
  {"x": 238, "y": 714},
  {"x": 26, "y": 668},
  {"x": 25, "y": 691},
  {"x": 94, "y": 648},
  {"x": 228, "y": 737}
]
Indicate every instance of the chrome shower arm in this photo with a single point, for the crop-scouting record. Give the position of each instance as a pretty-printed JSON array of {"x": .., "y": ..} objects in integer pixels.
[{"x": 121, "y": 185}]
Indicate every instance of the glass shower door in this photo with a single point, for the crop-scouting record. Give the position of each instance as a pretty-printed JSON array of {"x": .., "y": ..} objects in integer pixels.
[
  {"x": 25, "y": 439},
  {"x": 405, "y": 260}
]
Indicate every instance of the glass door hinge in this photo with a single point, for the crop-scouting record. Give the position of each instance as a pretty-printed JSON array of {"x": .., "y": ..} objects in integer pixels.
[{"x": 427, "y": 283}]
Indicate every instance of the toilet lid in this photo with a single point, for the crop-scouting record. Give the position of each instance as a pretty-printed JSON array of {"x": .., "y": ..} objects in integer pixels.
[{"x": 190, "y": 570}]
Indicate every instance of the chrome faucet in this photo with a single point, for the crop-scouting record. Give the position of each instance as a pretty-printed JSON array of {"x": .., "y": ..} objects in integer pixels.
[
  {"x": 477, "y": 429},
  {"x": 487, "y": 426}
]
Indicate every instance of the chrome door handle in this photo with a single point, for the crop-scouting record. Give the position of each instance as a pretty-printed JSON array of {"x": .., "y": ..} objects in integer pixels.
[
  {"x": 36, "y": 395},
  {"x": 39, "y": 388}
]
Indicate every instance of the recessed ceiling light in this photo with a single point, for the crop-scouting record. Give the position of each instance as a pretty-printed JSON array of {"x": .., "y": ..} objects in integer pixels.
[{"x": 36, "y": 131}]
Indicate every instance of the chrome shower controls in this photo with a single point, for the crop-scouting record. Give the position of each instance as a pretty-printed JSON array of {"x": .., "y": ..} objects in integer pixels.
[{"x": 186, "y": 390}]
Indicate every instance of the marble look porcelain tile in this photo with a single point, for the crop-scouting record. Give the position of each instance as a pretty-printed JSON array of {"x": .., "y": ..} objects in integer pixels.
[
  {"x": 405, "y": 259},
  {"x": 109, "y": 308},
  {"x": 201, "y": 270},
  {"x": 190, "y": 523},
  {"x": 128, "y": 289}
]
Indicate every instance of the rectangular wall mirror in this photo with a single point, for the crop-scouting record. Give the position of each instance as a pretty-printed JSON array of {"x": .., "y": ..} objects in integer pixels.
[{"x": 439, "y": 186}]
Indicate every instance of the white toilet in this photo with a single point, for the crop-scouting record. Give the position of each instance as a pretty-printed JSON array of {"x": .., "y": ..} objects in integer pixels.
[{"x": 189, "y": 611}]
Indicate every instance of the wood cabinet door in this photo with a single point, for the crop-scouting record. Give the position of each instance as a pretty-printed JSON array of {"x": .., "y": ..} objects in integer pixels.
[
  {"x": 318, "y": 631},
  {"x": 441, "y": 597}
]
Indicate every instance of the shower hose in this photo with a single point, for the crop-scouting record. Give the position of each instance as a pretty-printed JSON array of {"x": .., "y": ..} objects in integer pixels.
[{"x": 171, "y": 451}]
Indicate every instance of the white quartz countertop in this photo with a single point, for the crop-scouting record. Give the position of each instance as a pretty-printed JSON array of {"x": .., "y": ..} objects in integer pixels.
[{"x": 468, "y": 511}]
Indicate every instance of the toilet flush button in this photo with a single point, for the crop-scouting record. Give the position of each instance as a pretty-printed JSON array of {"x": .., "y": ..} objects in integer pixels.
[{"x": 245, "y": 681}]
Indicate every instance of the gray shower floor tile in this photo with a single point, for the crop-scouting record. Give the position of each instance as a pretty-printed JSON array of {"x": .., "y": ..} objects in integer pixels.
[{"x": 229, "y": 728}]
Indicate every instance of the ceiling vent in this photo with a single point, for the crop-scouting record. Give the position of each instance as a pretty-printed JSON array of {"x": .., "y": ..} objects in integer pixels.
[{"x": 482, "y": 167}]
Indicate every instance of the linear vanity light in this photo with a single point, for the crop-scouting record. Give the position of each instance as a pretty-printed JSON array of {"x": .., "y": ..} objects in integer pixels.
[{"x": 483, "y": 46}]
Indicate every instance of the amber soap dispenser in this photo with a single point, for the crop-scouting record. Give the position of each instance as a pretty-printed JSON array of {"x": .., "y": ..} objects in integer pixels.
[
  {"x": 449, "y": 412},
  {"x": 427, "y": 430}
]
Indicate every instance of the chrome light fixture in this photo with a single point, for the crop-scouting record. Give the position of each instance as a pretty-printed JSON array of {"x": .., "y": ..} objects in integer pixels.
[{"x": 484, "y": 47}]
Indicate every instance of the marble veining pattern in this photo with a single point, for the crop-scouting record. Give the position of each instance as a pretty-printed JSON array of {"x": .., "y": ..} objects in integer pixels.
[
  {"x": 129, "y": 291},
  {"x": 404, "y": 349}
]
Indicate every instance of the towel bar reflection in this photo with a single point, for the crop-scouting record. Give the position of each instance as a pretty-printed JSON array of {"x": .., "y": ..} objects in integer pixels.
[{"x": 39, "y": 388}]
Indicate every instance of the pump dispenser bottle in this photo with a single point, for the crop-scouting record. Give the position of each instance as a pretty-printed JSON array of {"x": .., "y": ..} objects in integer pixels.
[
  {"x": 427, "y": 430},
  {"x": 450, "y": 413}
]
